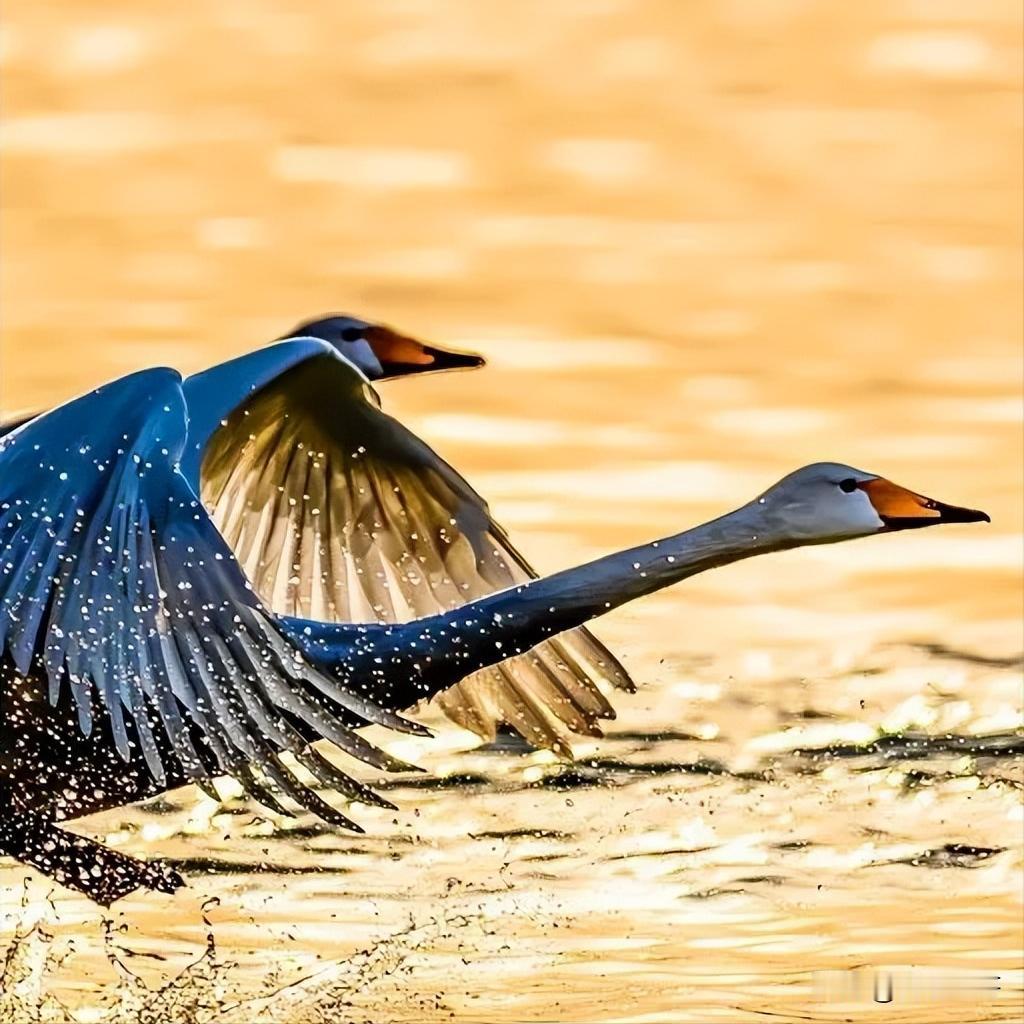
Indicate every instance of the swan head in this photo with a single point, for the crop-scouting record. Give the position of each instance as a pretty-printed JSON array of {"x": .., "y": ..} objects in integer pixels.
[
  {"x": 828, "y": 502},
  {"x": 379, "y": 351}
]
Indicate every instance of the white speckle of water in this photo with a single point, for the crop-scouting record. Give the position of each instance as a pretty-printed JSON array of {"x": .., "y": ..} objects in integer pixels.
[
  {"x": 939, "y": 54},
  {"x": 373, "y": 168},
  {"x": 102, "y": 48}
]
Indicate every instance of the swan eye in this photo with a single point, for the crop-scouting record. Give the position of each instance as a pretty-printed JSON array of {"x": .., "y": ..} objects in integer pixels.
[
  {"x": 849, "y": 485},
  {"x": 351, "y": 334}
]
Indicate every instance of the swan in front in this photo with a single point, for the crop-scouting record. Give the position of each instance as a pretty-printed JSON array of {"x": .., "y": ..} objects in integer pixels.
[{"x": 137, "y": 656}]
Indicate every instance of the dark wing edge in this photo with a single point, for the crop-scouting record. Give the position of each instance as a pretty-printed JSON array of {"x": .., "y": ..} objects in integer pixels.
[{"x": 8, "y": 426}]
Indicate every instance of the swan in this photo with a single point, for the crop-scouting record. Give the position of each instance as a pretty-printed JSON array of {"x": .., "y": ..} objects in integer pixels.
[
  {"x": 337, "y": 511},
  {"x": 378, "y": 350},
  {"x": 381, "y": 352},
  {"x": 137, "y": 657}
]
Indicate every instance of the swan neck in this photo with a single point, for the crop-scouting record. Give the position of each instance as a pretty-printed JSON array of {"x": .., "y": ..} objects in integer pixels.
[
  {"x": 402, "y": 664},
  {"x": 543, "y": 607}
]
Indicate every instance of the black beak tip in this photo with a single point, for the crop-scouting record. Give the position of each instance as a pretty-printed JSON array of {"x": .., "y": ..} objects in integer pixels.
[
  {"x": 440, "y": 360},
  {"x": 947, "y": 514},
  {"x": 447, "y": 360},
  {"x": 952, "y": 514}
]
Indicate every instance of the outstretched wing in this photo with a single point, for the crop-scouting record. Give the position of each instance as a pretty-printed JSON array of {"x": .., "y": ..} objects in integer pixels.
[
  {"x": 116, "y": 584},
  {"x": 338, "y": 512}
]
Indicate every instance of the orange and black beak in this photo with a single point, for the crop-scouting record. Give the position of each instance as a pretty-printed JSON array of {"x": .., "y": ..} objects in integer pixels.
[
  {"x": 901, "y": 509},
  {"x": 400, "y": 355}
]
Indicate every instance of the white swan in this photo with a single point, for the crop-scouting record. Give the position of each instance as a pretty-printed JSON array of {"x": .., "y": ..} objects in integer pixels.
[{"x": 136, "y": 657}]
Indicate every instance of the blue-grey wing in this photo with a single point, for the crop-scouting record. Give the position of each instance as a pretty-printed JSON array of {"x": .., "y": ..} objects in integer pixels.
[
  {"x": 116, "y": 582},
  {"x": 214, "y": 394}
]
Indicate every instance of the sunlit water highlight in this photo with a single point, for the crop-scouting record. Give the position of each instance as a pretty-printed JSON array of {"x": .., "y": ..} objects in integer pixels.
[{"x": 695, "y": 260}]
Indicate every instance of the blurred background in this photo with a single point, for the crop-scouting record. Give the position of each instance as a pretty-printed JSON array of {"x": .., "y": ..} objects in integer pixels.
[{"x": 700, "y": 245}]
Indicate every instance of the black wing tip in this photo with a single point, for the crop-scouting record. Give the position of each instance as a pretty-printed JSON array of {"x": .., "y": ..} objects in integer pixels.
[
  {"x": 167, "y": 879},
  {"x": 414, "y": 728}
]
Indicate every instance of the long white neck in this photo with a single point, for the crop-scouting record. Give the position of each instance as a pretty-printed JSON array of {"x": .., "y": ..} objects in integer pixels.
[{"x": 413, "y": 660}]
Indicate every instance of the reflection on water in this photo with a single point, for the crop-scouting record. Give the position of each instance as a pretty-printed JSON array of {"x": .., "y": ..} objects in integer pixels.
[{"x": 699, "y": 251}]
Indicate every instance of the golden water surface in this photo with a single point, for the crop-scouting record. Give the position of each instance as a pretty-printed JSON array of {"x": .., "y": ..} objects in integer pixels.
[{"x": 701, "y": 245}]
